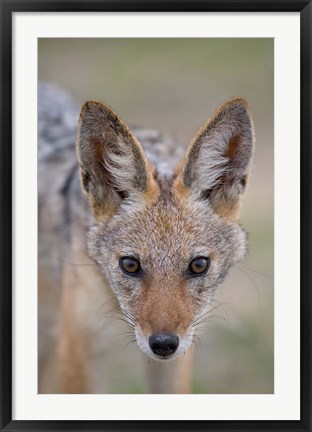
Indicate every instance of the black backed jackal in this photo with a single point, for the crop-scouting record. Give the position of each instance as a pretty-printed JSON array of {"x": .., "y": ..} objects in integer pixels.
[{"x": 155, "y": 228}]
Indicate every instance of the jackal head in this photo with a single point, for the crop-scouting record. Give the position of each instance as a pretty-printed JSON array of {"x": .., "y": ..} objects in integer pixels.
[{"x": 165, "y": 244}]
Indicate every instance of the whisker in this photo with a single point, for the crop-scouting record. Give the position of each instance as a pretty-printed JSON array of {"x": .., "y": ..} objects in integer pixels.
[
  {"x": 208, "y": 312},
  {"x": 255, "y": 271},
  {"x": 225, "y": 306},
  {"x": 120, "y": 334},
  {"x": 259, "y": 298},
  {"x": 128, "y": 343}
]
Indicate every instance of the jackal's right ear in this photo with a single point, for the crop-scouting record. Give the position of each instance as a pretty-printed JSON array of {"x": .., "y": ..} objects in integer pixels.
[
  {"x": 112, "y": 163},
  {"x": 218, "y": 160}
]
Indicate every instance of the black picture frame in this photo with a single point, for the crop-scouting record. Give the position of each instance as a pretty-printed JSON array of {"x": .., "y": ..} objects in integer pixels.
[{"x": 7, "y": 9}]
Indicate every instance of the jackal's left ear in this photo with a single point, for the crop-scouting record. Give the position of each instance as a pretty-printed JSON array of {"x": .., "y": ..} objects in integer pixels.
[{"x": 218, "y": 160}]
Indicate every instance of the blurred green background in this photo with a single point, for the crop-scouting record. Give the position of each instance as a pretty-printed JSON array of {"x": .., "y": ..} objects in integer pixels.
[{"x": 174, "y": 85}]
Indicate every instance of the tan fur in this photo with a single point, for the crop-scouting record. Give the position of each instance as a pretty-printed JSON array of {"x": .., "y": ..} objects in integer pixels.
[
  {"x": 80, "y": 329},
  {"x": 162, "y": 220},
  {"x": 172, "y": 377},
  {"x": 158, "y": 320}
]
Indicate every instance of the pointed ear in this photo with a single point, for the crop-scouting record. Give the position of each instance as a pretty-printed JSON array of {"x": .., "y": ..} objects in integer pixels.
[
  {"x": 218, "y": 160},
  {"x": 112, "y": 163}
]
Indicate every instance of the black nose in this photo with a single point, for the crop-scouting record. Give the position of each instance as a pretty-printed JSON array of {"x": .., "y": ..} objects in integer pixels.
[{"x": 163, "y": 344}]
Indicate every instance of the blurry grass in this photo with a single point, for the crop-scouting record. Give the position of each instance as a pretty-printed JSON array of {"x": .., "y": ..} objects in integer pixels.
[
  {"x": 149, "y": 81},
  {"x": 247, "y": 365},
  {"x": 174, "y": 85}
]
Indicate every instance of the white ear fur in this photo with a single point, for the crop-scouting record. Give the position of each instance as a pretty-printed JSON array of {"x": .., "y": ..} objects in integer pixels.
[
  {"x": 112, "y": 162},
  {"x": 218, "y": 160}
]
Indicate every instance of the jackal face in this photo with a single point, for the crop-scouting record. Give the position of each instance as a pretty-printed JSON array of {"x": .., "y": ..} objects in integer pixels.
[{"x": 165, "y": 244}]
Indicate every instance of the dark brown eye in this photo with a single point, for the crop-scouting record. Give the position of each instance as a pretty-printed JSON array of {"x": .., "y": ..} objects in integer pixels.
[
  {"x": 130, "y": 265},
  {"x": 199, "y": 266}
]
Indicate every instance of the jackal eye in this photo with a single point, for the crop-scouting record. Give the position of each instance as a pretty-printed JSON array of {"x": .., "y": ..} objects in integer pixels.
[
  {"x": 199, "y": 266},
  {"x": 130, "y": 266}
]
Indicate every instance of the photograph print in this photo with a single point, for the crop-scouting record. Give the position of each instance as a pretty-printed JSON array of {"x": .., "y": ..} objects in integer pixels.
[{"x": 155, "y": 210}]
